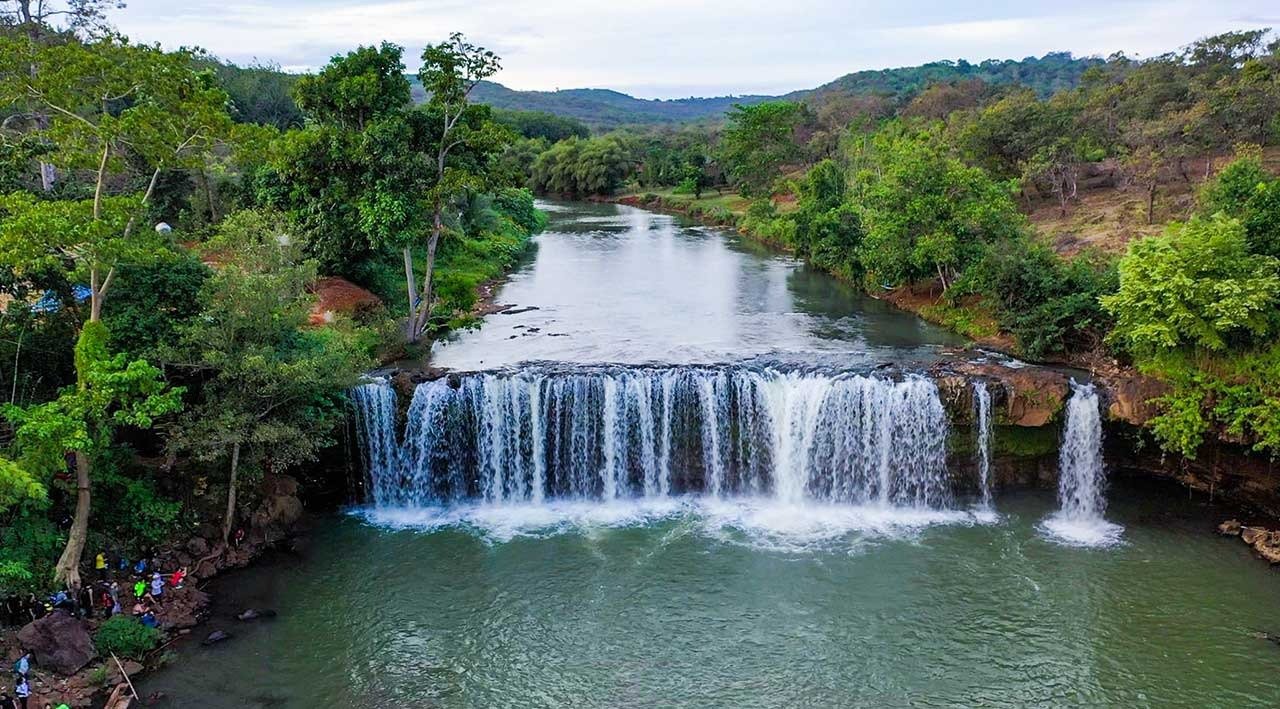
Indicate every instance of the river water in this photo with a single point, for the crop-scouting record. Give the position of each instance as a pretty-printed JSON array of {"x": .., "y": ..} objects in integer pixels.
[{"x": 703, "y": 494}]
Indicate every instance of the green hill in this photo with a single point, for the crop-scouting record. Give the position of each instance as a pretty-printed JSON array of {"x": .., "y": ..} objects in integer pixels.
[{"x": 601, "y": 108}]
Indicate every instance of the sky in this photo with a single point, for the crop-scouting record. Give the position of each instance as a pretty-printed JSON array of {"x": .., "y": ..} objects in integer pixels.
[{"x": 678, "y": 48}]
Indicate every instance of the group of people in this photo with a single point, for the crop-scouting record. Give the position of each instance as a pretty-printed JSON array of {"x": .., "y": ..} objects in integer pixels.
[{"x": 102, "y": 596}]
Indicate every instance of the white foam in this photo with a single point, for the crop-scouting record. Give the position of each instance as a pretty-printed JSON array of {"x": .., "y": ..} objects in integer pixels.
[
  {"x": 1091, "y": 532},
  {"x": 756, "y": 522}
]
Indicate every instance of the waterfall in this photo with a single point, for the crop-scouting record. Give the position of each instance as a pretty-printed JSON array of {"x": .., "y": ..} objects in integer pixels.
[
  {"x": 1081, "y": 474},
  {"x": 375, "y": 404},
  {"x": 616, "y": 433},
  {"x": 982, "y": 403}
]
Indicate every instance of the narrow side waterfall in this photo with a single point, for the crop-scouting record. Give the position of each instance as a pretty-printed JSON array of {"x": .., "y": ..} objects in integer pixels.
[
  {"x": 1082, "y": 475},
  {"x": 616, "y": 433},
  {"x": 375, "y": 404},
  {"x": 982, "y": 417}
]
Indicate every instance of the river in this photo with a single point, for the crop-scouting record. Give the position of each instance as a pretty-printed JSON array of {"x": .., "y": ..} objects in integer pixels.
[{"x": 703, "y": 494}]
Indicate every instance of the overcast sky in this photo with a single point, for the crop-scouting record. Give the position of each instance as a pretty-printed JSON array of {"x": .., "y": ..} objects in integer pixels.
[{"x": 675, "y": 48}]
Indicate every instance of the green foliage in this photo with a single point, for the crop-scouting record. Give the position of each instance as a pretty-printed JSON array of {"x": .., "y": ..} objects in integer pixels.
[
  {"x": 17, "y": 485},
  {"x": 925, "y": 212},
  {"x": 125, "y": 636},
  {"x": 269, "y": 383},
  {"x": 259, "y": 93},
  {"x": 1246, "y": 191},
  {"x": 153, "y": 301},
  {"x": 758, "y": 141},
  {"x": 1196, "y": 285},
  {"x": 29, "y": 544},
  {"x": 1050, "y": 304},
  {"x": 354, "y": 89},
  {"x": 576, "y": 167},
  {"x": 540, "y": 124},
  {"x": 130, "y": 508},
  {"x": 111, "y": 391}
]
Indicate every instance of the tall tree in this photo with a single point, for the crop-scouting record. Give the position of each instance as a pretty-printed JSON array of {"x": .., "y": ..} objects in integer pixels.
[
  {"x": 758, "y": 141},
  {"x": 270, "y": 386},
  {"x": 111, "y": 105},
  {"x": 450, "y": 72}
]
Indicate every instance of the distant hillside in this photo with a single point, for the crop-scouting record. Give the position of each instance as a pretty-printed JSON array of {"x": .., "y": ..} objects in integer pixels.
[
  {"x": 604, "y": 109},
  {"x": 601, "y": 108},
  {"x": 1045, "y": 75}
]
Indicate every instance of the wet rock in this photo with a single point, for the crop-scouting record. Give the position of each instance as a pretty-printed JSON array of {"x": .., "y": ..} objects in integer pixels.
[
  {"x": 1023, "y": 396},
  {"x": 197, "y": 547},
  {"x": 280, "y": 509},
  {"x": 1251, "y": 535},
  {"x": 1131, "y": 396},
  {"x": 58, "y": 642},
  {"x": 1230, "y": 528},
  {"x": 255, "y": 614},
  {"x": 216, "y": 637}
]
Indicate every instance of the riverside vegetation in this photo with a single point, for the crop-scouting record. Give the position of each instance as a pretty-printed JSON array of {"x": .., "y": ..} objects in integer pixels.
[
  {"x": 172, "y": 228},
  {"x": 1109, "y": 213}
]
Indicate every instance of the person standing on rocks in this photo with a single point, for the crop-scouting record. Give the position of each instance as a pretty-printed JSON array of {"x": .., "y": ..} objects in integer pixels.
[
  {"x": 22, "y": 690},
  {"x": 157, "y": 586},
  {"x": 23, "y": 666}
]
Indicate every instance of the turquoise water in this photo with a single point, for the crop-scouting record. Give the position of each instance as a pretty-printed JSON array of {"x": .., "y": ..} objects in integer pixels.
[
  {"x": 671, "y": 601},
  {"x": 692, "y": 607}
]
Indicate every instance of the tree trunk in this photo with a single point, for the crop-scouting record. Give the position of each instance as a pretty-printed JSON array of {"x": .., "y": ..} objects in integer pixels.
[
  {"x": 411, "y": 287},
  {"x": 212, "y": 199},
  {"x": 231, "y": 494},
  {"x": 68, "y": 568},
  {"x": 1151, "y": 202},
  {"x": 424, "y": 302}
]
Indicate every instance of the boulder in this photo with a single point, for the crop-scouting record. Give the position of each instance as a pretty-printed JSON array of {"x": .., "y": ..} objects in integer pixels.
[
  {"x": 1251, "y": 535},
  {"x": 197, "y": 547},
  {"x": 280, "y": 509},
  {"x": 215, "y": 637},
  {"x": 1268, "y": 547},
  {"x": 1230, "y": 528},
  {"x": 1131, "y": 396},
  {"x": 1027, "y": 396},
  {"x": 58, "y": 642}
]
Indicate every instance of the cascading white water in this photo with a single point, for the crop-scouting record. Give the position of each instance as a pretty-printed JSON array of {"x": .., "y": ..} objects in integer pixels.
[
  {"x": 1082, "y": 475},
  {"x": 982, "y": 404},
  {"x": 614, "y": 433},
  {"x": 375, "y": 404}
]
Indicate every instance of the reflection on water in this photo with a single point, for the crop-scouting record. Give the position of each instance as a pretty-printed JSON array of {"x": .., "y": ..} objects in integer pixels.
[
  {"x": 739, "y": 604},
  {"x": 611, "y": 283}
]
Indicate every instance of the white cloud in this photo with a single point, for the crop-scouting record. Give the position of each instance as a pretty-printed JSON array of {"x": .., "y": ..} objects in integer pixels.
[{"x": 669, "y": 48}]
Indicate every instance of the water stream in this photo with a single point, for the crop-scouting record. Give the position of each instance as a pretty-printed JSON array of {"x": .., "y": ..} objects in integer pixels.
[
  {"x": 1082, "y": 475},
  {"x": 679, "y": 474}
]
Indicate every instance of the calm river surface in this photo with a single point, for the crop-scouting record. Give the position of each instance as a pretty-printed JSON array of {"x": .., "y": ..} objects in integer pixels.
[{"x": 741, "y": 600}]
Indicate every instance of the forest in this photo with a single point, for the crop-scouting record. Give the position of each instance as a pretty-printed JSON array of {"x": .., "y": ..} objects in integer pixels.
[
  {"x": 198, "y": 259},
  {"x": 1110, "y": 214}
]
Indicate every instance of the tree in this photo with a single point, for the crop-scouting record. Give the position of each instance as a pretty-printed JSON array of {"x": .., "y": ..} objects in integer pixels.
[
  {"x": 111, "y": 104},
  {"x": 356, "y": 88},
  {"x": 450, "y": 71},
  {"x": 270, "y": 387},
  {"x": 110, "y": 391},
  {"x": 758, "y": 141},
  {"x": 927, "y": 214},
  {"x": 1195, "y": 286}
]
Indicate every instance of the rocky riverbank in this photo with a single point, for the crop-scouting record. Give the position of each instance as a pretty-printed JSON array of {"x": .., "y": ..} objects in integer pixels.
[{"x": 68, "y": 667}]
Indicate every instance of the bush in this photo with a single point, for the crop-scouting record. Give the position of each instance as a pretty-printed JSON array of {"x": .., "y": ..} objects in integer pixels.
[
  {"x": 1050, "y": 305},
  {"x": 126, "y": 636}
]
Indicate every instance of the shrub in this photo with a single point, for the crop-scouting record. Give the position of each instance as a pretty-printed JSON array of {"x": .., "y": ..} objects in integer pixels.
[{"x": 126, "y": 636}]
